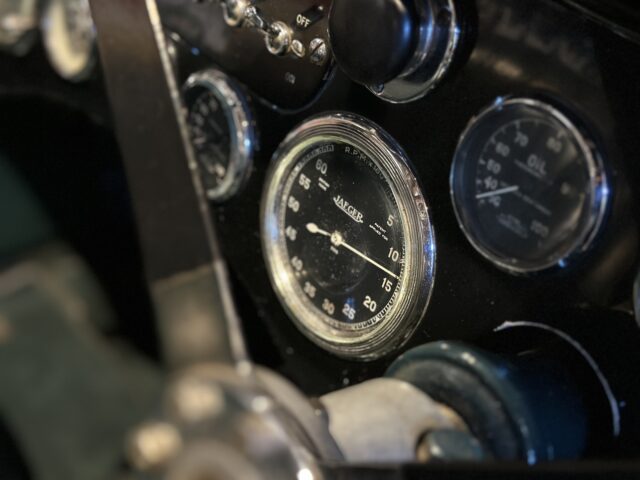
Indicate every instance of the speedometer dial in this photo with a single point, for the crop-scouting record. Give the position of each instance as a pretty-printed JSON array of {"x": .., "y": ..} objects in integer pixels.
[
  {"x": 528, "y": 186},
  {"x": 347, "y": 236}
]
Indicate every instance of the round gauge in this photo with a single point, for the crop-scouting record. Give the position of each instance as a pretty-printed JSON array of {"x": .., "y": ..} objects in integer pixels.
[
  {"x": 222, "y": 132},
  {"x": 347, "y": 236},
  {"x": 528, "y": 186},
  {"x": 18, "y": 24},
  {"x": 69, "y": 38}
]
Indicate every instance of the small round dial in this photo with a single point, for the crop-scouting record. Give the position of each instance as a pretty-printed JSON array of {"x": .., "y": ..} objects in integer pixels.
[
  {"x": 69, "y": 37},
  {"x": 222, "y": 132},
  {"x": 347, "y": 236},
  {"x": 528, "y": 187}
]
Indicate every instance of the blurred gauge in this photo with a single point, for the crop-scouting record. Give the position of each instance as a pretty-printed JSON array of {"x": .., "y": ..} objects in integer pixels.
[
  {"x": 18, "y": 24},
  {"x": 347, "y": 236},
  {"x": 528, "y": 186},
  {"x": 222, "y": 132},
  {"x": 69, "y": 38}
]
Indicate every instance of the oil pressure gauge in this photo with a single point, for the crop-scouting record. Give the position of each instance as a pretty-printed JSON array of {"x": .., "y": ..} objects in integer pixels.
[
  {"x": 528, "y": 186},
  {"x": 347, "y": 236},
  {"x": 222, "y": 132}
]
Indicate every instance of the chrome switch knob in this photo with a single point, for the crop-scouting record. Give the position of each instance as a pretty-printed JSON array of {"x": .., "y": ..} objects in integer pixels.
[{"x": 278, "y": 35}]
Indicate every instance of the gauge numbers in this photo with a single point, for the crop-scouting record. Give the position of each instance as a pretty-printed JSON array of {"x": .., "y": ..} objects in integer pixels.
[
  {"x": 222, "y": 132},
  {"x": 347, "y": 237},
  {"x": 527, "y": 186},
  {"x": 346, "y": 233}
]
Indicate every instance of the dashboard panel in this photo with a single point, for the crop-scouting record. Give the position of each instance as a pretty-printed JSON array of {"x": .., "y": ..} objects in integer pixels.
[
  {"x": 523, "y": 49},
  {"x": 465, "y": 175},
  {"x": 568, "y": 77}
]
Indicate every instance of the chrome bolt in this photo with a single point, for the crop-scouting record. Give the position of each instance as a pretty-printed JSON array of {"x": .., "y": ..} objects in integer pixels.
[{"x": 319, "y": 51}]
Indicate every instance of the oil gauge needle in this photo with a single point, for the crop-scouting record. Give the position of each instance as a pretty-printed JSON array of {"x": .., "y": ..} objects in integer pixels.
[
  {"x": 338, "y": 241},
  {"x": 495, "y": 193}
]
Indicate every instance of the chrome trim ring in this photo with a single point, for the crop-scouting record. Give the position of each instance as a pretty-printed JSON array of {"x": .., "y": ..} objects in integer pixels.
[
  {"x": 18, "y": 25},
  {"x": 375, "y": 337},
  {"x": 72, "y": 60},
  {"x": 439, "y": 39}
]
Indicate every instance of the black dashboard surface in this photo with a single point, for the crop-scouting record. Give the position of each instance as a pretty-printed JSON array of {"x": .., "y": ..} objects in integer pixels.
[
  {"x": 526, "y": 48},
  {"x": 578, "y": 55}
]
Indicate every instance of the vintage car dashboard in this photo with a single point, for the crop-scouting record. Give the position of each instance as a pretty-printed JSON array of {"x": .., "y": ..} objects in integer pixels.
[
  {"x": 487, "y": 194},
  {"x": 386, "y": 174}
]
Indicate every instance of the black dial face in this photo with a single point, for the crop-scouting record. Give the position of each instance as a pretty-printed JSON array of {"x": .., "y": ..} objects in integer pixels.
[
  {"x": 343, "y": 236},
  {"x": 525, "y": 187},
  {"x": 211, "y": 135}
]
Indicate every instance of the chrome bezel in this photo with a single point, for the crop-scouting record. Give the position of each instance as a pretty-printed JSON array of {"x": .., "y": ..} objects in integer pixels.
[
  {"x": 599, "y": 189},
  {"x": 54, "y": 48},
  {"x": 18, "y": 29},
  {"x": 241, "y": 127},
  {"x": 437, "y": 46},
  {"x": 413, "y": 292}
]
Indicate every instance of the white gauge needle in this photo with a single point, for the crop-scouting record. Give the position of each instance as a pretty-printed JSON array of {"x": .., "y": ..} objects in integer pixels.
[
  {"x": 313, "y": 228},
  {"x": 338, "y": 241},
  {"x": 494, "y": 193}
]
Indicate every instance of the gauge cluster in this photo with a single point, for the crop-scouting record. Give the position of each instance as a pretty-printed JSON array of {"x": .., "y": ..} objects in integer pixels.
[
  {"x": 488, "y": 180},
  {"x": 332, "y": 220},
  {"x": 356, "y": 228}
]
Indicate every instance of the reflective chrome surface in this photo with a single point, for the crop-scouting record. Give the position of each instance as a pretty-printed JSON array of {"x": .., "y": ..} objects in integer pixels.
[
  {"x": 18, "y": 24},
  {"x": 69, "y": 38},
  {"x": 439, "y": 38}
]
